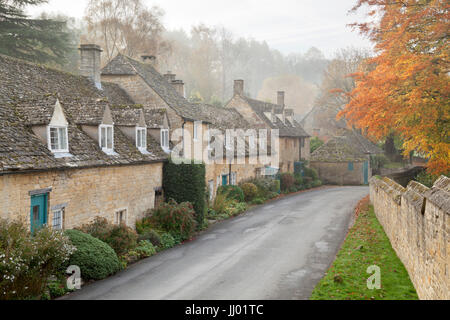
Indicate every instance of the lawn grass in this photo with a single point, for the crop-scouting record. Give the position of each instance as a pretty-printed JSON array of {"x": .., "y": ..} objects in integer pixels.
[{"x": 366, "y": 245}]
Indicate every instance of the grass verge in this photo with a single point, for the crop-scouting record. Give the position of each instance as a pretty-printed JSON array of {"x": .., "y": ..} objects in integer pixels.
[{"x": 366, "y": 245}]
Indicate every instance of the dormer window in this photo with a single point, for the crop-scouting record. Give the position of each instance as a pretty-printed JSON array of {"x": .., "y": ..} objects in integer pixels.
[
  {"x": 106, "y": 137},
  {"x": 165, "y": 139},
  {"x": 141, "y": 138},
  {"x": 58, "y": 141}
]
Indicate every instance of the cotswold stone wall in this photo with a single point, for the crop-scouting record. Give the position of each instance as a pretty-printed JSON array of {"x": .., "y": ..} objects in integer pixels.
[
  {"x": 417, "y": 222},
  {"x": 338, "y": 172},
  {"x": 85, "y": 193}
]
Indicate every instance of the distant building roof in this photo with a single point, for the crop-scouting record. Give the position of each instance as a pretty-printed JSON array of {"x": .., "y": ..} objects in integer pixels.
[
  {"x": 350, "y": 146},
  {"x": 28, "y": 94},
  {"x": 286, "y": 129}
]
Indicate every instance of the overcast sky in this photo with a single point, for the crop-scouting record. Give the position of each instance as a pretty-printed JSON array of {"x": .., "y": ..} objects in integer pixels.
[{"x": 286, "y": 25}]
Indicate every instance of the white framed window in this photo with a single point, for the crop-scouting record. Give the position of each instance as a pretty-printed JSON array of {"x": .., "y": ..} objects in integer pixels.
[
  {"x": 121, "y": 216},
  {"x": 58, "y": 139},
  {"x": 211, "y": 189},
  {"x": 106, "y": 137},
  {"x": 165, "y": 139},
  {"x": 196, "y": 131},
  {"x": 234, "y": 178},
  {"x": 58, "y": 219},
  {"x": 141, "y": 138}
]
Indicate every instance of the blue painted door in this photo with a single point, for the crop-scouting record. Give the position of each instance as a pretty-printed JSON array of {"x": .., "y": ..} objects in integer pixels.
[
  {"x": 224, "y": 180},
  {"x": 38, "y": 214},
  {"x": 366, "y": 172}
]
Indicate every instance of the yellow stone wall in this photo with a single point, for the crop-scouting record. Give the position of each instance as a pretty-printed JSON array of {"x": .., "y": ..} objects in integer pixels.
[{"x": 87, "y": 192}]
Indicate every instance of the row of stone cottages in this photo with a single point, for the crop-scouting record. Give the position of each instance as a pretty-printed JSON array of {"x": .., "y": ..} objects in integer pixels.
[{"x": 76, "y": 147}]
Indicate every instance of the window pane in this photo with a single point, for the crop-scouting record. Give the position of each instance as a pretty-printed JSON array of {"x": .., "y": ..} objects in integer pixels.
[
  {"x": 144, "y": 138},
  {"x": 139, "y": 138},
  {"x": 62, "y": 138},
  {"x": 103, "y": 137},
  {"x": 110, "y": 138},
  {"x": 54, "y": 144},
  {"x": 57, "y": 220}
]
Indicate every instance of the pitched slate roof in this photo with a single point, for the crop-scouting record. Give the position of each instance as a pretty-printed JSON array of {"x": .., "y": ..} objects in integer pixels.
[
  {"x": 286, "y": 129},
  {"x": 350, "y": 146},
  {"x": 123, "y": 65},
  {"x": 28, "y": 94},
  {"x": 130, "y": 116}
]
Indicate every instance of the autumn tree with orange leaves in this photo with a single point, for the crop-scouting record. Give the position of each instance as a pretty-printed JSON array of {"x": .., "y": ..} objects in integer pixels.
[{"x": 407, "y": 90}]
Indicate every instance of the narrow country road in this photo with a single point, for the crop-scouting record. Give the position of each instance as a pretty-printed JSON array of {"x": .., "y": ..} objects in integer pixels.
[{"x": 276, "y": 251}]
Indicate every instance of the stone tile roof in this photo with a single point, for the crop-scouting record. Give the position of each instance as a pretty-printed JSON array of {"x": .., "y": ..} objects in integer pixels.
[
  {"x": 116, "y": 95},
  {"x": 350, "y": 146},
  {"x": 130, "y": 116},
  {"x": 123, "y": 65},
  {"x": 286, "y": 129},
  {"x": 28, "y": 94}
]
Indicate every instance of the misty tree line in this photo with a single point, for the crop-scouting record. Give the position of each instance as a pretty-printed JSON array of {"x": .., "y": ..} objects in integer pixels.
[{"x": 207, "y": 58}]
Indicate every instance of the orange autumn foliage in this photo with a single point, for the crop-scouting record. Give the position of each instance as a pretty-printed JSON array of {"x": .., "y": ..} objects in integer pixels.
[{"x": 407, "y": 90}]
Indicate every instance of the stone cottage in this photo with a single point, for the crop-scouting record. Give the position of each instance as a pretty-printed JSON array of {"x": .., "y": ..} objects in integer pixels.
[
  {"x": 294, "y": 142},
  {"x": 345, "y": 159},
  {"x": 73, "y": 148},
  {"x": 145, "y": 85}
]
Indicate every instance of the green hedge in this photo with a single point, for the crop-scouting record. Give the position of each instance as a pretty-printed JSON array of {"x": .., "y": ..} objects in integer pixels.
[
  {"x": 186, "y": 183},
  {"x": 96, "y": 259}
]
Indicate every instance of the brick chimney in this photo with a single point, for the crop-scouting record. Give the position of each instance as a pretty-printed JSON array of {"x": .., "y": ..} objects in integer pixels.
[
  {"x": 148, "y": 59},
  {"x": 179, "y": 86},
  {"x": 239, "y": 87},
  {"x": 90, "y": 62},
  {"x": 280, "y": 98},
  {"x": 170, "y": 76}
]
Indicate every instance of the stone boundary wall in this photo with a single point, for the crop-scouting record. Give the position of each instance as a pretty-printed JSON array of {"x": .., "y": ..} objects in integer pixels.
[{"x": 417, "y": 221}]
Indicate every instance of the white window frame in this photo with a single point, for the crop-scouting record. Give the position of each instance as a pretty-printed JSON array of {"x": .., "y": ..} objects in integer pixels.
[
  {"x": 59, "y": 212},
  {"x": 143, "y": 140},
  {"x": 165, "y": 144},
  {"x": 196, "y": 131},
  {"x": 124, "y": 217},
  {"x": 106, "y": 126},
  {"x": 49, "y": 139}
]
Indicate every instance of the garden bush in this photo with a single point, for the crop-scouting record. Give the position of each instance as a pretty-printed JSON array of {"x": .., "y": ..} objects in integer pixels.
[
  {"x": 316, "y": 183},
  {"x": 221, "y": 203},
  {"x": 27, "y": 262},
  {"x": 167, "y": 241},
  {"x": 186, "y": 183},
  {"x": 96, "y": 259},
  {"x": 287, "y": 181},
  {"x": 145, "y": 249},
  {"x": 266, "y": 186},
  {"x": 298, "y": 180},
  {"x": 250, "y": 191},
  {"x": 311, "y": 173},
  {"x": 258, "y": 201},
  {"x": 152, "y": 236},
  {"x": 177, "y": 219},
  {"x": 232, "y": 192},
  {"x": 120, "y": 237}
]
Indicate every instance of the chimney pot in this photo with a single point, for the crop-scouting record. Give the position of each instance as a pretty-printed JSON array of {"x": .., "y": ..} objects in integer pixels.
[
  {"x": 148, "y": 59},
  {"x": 170, "y": 76},
  {"x": 90, "y": 55},
  {"x": 179, "y": 86},
  {"x": 239, "y": 87}
]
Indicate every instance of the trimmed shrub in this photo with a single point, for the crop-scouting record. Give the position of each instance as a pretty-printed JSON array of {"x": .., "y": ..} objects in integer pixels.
[
  {"x": 258, "y": 201},
  {"x": 120, "y": 237},
  {"x": 27, "y": 262},
  {"x": 287, "y": 181},
  {"x": 232, "y": 192},
  {"x": 186, "y": 183},
  {"x": 96, "y": 259},
  {"x": 316, "y": 183},
  {"x": 250, "y": 191},
  {"x": 177, "y": 219},
  {"x": 293, "y": 189},
  {"x": 273, "y": 195}
]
